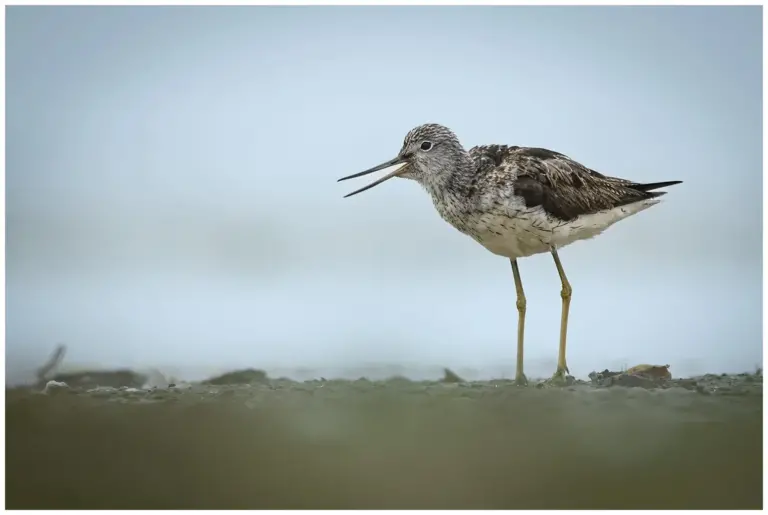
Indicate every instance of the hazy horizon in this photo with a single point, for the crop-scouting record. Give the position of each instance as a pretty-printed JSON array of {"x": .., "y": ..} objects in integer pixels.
[{"x": 171, "y": 195}]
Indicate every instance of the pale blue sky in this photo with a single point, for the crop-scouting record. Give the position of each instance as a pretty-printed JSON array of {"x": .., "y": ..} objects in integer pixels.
[{"x": 171, "y": 194}]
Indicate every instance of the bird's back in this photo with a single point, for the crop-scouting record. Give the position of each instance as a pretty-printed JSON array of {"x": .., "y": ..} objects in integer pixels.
[
  {"x": 564, "y": 188},
  {"x": 520, "y": 201}
]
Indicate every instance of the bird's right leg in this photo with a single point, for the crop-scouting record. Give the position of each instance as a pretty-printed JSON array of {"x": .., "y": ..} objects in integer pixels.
[
  {"x": 560, "y": 376},
  {"x": 520, "y": 378}
]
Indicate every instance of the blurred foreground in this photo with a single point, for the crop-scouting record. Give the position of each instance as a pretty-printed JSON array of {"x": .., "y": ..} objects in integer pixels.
[{"x": 383, "y": 444}]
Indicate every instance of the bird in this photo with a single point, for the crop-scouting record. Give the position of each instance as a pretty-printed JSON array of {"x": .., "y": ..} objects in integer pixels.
[{"x": 517, "y": 202}]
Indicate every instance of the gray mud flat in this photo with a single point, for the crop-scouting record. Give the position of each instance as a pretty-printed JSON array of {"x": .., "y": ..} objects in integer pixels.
[{"x": 385, "y": 444}]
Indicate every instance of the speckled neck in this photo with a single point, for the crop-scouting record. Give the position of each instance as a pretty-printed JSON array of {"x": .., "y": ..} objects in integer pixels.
[{"x": 452, "y": 181}]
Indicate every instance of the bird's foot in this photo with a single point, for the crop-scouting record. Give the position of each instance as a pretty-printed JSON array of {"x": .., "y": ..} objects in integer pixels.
[
  {"x": 561, "y": 377},
  {"x": 521, "y": 380}
]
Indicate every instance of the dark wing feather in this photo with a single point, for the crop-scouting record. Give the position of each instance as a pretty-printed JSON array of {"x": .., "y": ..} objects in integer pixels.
[{"x": 564, "y": 188}]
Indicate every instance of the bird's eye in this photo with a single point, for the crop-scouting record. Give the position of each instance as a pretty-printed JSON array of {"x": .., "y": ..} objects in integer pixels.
[{"x": 427, "y": 145}]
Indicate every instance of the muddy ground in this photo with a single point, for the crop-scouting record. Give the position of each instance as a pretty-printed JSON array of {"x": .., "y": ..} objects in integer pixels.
[{"x": 387, "y": 444}]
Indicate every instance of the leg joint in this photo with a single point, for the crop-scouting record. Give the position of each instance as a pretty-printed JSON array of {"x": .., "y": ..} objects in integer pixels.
[
  {"x": 521, "y": 304},
  {"x": 566, "y": 292}
]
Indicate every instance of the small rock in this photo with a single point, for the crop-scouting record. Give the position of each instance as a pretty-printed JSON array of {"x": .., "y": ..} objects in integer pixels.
[
  {"x": 55, "y": 387},
  {"x": 651, "y": 371}
]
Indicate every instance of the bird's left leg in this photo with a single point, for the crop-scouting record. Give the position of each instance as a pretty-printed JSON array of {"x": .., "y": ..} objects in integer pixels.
[
  {"x": 565, "y": 293},
  {"x": 520, "y": 378}
]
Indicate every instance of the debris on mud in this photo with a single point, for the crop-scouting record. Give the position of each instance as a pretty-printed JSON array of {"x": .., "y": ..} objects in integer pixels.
[
  {"x": 85, "y": 379},
  {"x": 89, "y": 379},
  {"x": 598, "y": 377},
  {"x": 729, "y": 384},
  {"x": 642, "y": 376},
  {"x": 129, "y": 385},
  {"x": 659, "y": 376}
]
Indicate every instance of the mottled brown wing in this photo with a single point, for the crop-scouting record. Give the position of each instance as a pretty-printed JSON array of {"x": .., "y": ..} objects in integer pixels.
[{"x": 566, "y": 189}]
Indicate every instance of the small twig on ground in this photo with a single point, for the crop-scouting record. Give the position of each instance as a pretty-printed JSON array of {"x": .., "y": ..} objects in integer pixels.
[{"x": 49, "y": 368}]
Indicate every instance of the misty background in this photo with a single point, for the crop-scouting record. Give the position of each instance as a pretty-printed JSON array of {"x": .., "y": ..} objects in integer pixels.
[{"x": 171, "y": 195}]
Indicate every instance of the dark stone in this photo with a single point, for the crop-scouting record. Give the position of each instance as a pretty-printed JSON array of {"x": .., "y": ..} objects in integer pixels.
[
  {"x": 631, "y": 381},
  {"x": 245, "y": 376},
  {"x": 449, "y": 376}
]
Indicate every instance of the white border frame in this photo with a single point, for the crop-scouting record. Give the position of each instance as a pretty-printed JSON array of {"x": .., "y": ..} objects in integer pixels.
[{"x": 351, "y": 2}]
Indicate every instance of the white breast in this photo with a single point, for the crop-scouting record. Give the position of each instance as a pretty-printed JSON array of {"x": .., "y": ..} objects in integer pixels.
[{"x": 521, "y": 232}]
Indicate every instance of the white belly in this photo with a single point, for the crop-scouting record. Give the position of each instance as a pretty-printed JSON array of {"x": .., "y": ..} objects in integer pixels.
[{"x": 526, "y": 232}]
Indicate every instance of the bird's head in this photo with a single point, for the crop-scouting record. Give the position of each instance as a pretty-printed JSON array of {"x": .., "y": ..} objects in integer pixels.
[{"x": 429, "y": 151}]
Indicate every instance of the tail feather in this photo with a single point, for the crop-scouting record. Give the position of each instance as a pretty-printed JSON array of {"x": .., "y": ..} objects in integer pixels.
[
  {"x": 649, "y": 187},
  {"x": 654, "y": 185}
]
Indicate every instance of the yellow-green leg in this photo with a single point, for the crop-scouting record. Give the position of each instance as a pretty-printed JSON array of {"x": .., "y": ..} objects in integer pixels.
[
  {"x": 565, "y": 293},
  {"x": 520, "y": 378}
]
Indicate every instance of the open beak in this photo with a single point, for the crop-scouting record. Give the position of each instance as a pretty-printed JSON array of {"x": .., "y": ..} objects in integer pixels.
[{"x": 400, "y": 162}]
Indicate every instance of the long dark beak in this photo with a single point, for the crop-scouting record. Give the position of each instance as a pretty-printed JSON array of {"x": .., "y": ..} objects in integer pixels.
[{"x": 402, "y": 161}]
